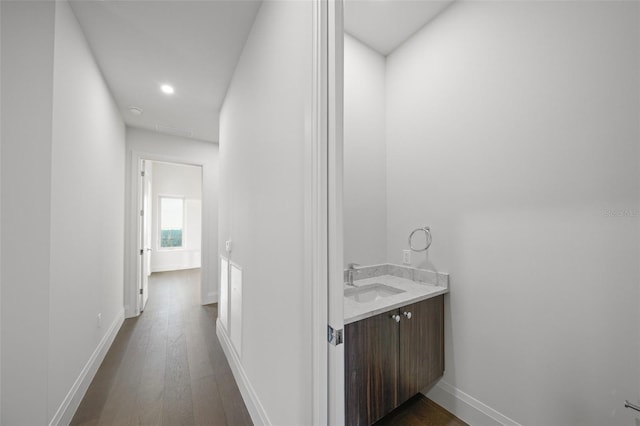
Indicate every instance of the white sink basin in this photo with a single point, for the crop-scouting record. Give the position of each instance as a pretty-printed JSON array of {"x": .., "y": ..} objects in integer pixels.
[{"x": 370, "y": 293}]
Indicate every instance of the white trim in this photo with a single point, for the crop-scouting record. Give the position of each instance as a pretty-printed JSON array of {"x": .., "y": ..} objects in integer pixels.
[
  {"x": 466, "y": 407},
  {"x": 212, "y": 297},
  {"x": 315, "y": 203},
  {"x": 131, "y": 285},
  {"x": 335, "y": 116},
  {"x": 71, "y": 402},
  {"x": 127, "y": 312},
  {"x": 132, "y": 264},
  {"x": 249, "y": 395}
]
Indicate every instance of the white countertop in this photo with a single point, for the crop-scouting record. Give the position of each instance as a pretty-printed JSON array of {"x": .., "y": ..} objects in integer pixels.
[{"x": 414, "y": 291}]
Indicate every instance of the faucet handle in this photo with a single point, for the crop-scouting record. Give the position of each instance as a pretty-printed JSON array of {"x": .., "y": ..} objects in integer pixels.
[{"x": 353, "y": 265}]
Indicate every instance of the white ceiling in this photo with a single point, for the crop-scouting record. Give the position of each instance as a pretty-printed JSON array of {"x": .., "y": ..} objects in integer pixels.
[
  {"x": 192, "y": 45},
  {"x": 386, "y": 24}
]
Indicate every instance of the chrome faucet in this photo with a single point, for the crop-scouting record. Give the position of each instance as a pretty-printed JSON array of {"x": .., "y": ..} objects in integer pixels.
[{"x": 351, "y": 269}]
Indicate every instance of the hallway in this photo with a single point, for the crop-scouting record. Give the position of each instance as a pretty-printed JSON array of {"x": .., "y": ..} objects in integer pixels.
[{"x": 166, "y": 366}]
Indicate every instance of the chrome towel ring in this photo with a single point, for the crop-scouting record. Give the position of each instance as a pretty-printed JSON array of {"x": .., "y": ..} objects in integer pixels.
[{"x": 427, "y": 233}]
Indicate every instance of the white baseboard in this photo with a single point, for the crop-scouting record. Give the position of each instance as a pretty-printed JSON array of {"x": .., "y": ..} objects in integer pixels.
[
  {"x": 128, "y": 312},
  {"x": 211, "y": 297},
  {"x": 466, "y": 407},
  {"x": 255, "y": 408},
  {"x": 71, "y": 402}
]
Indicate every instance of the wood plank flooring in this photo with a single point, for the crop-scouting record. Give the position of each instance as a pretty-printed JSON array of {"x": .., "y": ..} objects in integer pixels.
[
  {"x": 420, "y": 411},
  {"x": 166, "y": 367}
]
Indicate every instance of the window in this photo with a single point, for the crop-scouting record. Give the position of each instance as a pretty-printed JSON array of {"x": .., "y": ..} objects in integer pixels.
[{"x": 171, "y": 222}]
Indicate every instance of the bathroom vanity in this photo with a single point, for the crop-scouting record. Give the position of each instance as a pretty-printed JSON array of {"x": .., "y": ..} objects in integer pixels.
[{"x": 394, "y": 339}]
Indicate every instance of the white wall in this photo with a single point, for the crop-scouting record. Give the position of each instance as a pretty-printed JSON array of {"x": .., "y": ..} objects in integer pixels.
[
  {"x": 365, "y": 177},
  {"x": 262, "y": 154},
  {"x": 161, "y": 147},
  {"x": 87, "y": 208},
  {"x": 63, "y": 189},
  {"x": 0, "y": 218},
  {"x": 185, "y": 182},
  {"x": 27, "y": 98},
  {"x": 512, "y": 130}
]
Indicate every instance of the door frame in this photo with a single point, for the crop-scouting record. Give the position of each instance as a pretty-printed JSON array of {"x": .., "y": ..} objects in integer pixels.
[
  {"x": 335, "y": 78},
  {"x": 132, "y": 265},
  {"x": 146, "y": 223},
  {"x": 324, "y": 233},
  {"x": 316, "y": 267}
]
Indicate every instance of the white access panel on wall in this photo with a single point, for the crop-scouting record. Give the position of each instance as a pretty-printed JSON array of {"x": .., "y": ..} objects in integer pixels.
[
  {"x": 236, "y": 308},
  {"x": 224, "y": 292}
]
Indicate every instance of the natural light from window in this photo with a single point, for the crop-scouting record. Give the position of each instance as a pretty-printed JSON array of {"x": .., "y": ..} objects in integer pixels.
[{"x": 171, "y": 222}]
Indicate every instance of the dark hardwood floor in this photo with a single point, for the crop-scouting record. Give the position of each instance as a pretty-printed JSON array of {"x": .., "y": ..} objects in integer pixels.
[
  {"x": 420, "y": 411},
  {"x": 166, "y": 367}
]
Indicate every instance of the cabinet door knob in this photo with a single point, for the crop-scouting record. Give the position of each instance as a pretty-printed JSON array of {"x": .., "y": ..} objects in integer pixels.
[
  {"x": 407, "y": 314},
  {"x": 396, "y": 317}
]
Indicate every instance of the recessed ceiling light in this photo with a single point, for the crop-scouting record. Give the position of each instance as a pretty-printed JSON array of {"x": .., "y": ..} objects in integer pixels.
[
  {"x": 167, "y": 89},
  {"x": 135, "y": 110}
]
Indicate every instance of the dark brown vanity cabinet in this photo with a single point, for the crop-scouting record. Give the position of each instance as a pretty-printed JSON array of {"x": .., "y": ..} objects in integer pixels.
[{"x": 390, "y": 357}]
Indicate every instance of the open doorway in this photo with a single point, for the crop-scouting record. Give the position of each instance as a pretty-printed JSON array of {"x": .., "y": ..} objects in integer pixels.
[
  {"x": 159, "y": 148},
  {"x": 170, "y": 225}
]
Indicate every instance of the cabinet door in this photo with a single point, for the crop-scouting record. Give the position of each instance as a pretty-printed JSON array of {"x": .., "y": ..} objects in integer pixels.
[
  {"x": 371, "y": 368},
  {"x": 421, "y": 346}
]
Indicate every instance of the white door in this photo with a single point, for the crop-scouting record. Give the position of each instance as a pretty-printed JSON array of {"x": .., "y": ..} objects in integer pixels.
[{"x": 145, "y": 232}]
